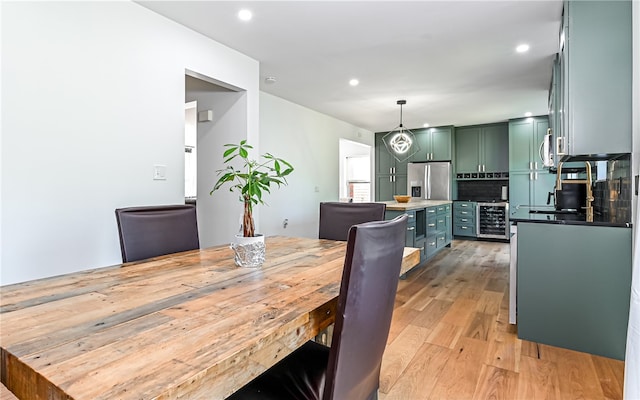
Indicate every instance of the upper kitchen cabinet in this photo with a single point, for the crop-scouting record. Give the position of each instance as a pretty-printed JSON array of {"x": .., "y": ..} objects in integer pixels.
[
  {"x": 526, "y": 143},
  {"x": 391, "y": 174},
  {"x": 482, "y": 148},
  {"x": 594, "y": 79},
  {"x": 529, "y": 180},
  {"x": 434, "y": 143}
]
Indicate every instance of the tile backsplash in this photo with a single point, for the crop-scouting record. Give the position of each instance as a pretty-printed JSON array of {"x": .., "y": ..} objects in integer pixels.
[
  {"x": 612, "y": 193},
  {"x": 482, "y": 190}
]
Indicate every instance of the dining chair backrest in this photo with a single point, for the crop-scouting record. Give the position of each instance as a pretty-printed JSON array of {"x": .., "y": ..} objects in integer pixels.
[
  {"x": 152, "y": 231},
  {"x": 336, "y": 218},
  {"x": 365, "y": 306}
]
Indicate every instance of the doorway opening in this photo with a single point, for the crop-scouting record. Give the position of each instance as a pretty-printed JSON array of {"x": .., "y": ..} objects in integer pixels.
[{"x": 355, "y": 172}]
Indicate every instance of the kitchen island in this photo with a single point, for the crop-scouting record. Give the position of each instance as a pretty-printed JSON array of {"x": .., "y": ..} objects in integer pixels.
[
  {"x": 573, "y": 280},
  {"x": 428, "y": 227}
]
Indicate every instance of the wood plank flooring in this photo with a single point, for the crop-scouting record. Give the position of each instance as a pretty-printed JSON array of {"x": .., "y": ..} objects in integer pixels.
[{"x": 450, "y": 339}]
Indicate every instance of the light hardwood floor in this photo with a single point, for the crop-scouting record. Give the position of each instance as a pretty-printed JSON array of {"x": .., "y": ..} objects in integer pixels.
[{"x": 450, "y": 339}]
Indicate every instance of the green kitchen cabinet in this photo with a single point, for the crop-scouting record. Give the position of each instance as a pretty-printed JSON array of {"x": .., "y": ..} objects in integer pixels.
[
  {"x": 573, "y": 286},
  {"x": 530, "y": 188},
  {"x": 428, "y": 229},
  {"x": 595, "y": 78},
  {"x": 482, "y": 148},
  {"x": 391, "y": 174},
  {"x": 435, "y": 144},
  {"x": 529, "y": 180},
  {"x": 526, "y": 136},
  {"x": 464, "y": 218}
]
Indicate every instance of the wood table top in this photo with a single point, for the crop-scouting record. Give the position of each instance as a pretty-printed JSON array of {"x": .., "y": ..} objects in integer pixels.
[{"x": 187, "y": 325}]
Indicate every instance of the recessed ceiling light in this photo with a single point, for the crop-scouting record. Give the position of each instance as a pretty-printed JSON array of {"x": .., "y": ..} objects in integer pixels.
[
  {"x": 425, "y": 125},
  {"x": 527, "y": 114},
  {"x": 354, "y": 82},
  {"x": 522, "y": 48},
  {"x": 245, "y": 15},
  {"x": 270, "y": 79}
]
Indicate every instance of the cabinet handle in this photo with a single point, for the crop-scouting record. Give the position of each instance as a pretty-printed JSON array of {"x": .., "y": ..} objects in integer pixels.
[
  {"x": 391, "y": 170},
  {"x": 535, "y": 164},
  {"x": 530, "y": 165},
  {"x": 464, "y": 220},
  {"x": 431, "y": 225},
  {"x": 411, "y": 228},
  {"x": 464, "y": 212},
  {"x": 464, "y": 205},
  {"x": 410, "y": 215},
  {"x": 535, "y": 176},
  {"x": 390, "y": 178},
  {"x": 530, "y": 176},
  {"x": 464, "y": 227}
]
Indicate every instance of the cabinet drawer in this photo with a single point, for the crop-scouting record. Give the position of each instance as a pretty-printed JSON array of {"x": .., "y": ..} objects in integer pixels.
[
  {"x": 431, "y": 211},
  {"x": 465, "y": 220},
  {"x": 443, "y": 209},
  {"x": 441, "y": 223},
  {"x": 464, "y": 230},
  {"x": 441, "y": 240},
  {"x": 432, "y": 225},
  {"x": 431, "y": 245},
  {"x": 464, "y": 205},
  {"x": 464, "y": 214}
]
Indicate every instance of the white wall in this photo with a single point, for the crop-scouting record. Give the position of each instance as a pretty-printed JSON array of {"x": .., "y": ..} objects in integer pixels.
[
  {"x": 310, "y": 141},
  {"x": 93, "y": 96}
]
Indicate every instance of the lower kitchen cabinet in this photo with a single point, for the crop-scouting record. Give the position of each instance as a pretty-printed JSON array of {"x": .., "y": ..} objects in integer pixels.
[
  {"x": 464, "y": 218},
  {"x": 573, "y": 286},
  {"x": 428, "y": 229}
]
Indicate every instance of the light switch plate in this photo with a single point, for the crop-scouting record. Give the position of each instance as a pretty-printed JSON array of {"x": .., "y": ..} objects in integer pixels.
[{"x": 159, "y": 172}]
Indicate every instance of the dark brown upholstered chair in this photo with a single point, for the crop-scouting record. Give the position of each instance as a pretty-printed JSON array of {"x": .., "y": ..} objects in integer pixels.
[
  {"x": 337, "y": 218},
  {"x": 350, "y": 368},
  {"x": 152, "y": 231}
]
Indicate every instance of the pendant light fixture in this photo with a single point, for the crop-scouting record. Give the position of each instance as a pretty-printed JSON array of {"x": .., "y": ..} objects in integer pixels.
[{"x": 401, "y": 142}]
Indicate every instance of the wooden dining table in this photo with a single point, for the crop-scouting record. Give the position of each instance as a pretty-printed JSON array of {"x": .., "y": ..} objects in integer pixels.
[{"x": 190, "y": 325}]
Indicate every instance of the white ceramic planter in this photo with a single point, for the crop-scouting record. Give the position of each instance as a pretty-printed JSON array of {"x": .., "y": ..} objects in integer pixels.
[{"x": 249, "y": 251}]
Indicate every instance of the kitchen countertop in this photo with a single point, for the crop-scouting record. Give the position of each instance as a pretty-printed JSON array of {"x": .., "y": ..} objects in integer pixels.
[
  {"x": 524, "y": 214},
  {"x": 413, "y": 204}
]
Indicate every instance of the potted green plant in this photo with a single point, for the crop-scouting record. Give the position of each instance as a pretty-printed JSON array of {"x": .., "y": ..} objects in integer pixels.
[{"x": 250, "y": 181}]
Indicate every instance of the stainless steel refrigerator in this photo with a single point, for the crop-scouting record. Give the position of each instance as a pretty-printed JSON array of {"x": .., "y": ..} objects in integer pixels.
[{"x": 429, "y": 180}]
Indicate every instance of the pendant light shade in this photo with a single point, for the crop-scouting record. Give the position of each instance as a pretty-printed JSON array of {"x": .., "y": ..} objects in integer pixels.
[{"x": 401, "y": 142}]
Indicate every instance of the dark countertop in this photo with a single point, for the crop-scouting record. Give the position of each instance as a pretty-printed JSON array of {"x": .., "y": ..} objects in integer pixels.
[{"x": 525, "y": 214}]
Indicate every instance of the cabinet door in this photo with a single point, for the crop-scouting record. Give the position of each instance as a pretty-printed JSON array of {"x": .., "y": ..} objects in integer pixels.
[
  {"x": 467, "y": 146},
  {"x": 495, "y": 148},
  {"x": 519, "y": 189},
  {"x": 542, "y": 184},
  {"x": 423, "y": 138},
  {"x": 385, "y": 187},
  {"x": 520, "y": 139},
  {"x": 441, "y": 143},
  {"x": 385, "y": 162}
]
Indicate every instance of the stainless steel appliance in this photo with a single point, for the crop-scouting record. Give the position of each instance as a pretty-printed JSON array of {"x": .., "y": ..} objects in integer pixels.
[
  {"x": 429, "y": 180},
  {"x": 492, "y": 220}
]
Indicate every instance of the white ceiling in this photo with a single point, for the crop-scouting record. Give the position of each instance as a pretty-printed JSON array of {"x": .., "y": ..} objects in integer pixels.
[{"x": 453, "y": 61}]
